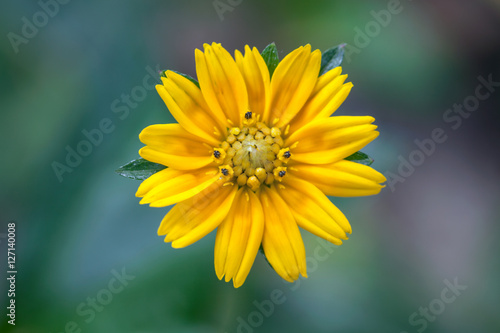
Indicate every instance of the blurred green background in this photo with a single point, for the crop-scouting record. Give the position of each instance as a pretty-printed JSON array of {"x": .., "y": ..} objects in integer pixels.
[{"x": 77, "y": 232}]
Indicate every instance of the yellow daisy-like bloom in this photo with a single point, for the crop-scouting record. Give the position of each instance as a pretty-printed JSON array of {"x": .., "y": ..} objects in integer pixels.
[{"x": 256, "y": 157}]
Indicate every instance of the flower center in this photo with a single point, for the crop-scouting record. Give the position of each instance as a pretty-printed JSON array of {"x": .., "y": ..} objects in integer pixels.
[{"x": 252, "y": 154}]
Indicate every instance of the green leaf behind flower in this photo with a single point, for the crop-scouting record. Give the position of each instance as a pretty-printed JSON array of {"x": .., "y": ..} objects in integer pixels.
[
  {"x": 139, "y": 169},
  {"x": 261, "y": 250},
  {"x": 190, "y": 78},
  {"x": 360, "y": 157},
  {"x": 331, "y": 58},
  {"x": 270, "y": 55}
]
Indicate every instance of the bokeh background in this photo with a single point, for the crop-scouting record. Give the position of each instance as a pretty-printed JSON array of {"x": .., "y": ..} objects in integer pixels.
[{"x": 76, "y": 233}]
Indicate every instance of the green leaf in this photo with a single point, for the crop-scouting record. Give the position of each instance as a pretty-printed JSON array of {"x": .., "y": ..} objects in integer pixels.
[
  {"x": 270, "y": 55},
  {"x": 331, "y": 58},
  {"x": 261, "y": 250},
  {"x": 361, "y": 158},
  {"x": 139, "y": 169},
  {"x": 190, "y": 78}
]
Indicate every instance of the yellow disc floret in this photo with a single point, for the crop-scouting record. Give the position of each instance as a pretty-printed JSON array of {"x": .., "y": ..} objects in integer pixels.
[{"x": 252, "y": 154}]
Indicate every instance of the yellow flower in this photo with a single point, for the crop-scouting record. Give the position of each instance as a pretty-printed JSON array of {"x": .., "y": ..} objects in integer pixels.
[{"x": 255, "y": 158}]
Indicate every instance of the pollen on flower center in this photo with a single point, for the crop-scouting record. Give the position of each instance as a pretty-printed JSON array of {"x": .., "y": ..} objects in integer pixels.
[{"x": 252, "y": 154}]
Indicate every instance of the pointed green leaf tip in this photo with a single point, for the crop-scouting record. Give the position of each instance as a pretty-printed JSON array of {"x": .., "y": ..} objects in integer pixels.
[
  {"x": 360, "y": 158},
  {"x": 270, "y": 55},
  {"x": 331, "y": 58},
  {"x": 139, "y": 169},
  {"x": 261, "y": 250}
]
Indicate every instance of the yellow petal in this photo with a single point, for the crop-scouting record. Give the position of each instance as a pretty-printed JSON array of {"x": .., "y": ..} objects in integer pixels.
[
  {"x": 313, "y": 210},
  {"x": 343, "y": 178},
  {"x": 256, "y": 75},
  {"x": 185, "y": 102},
  {"x": 239, "y": 237},
  {"x": 332, "y": 139},
  {"x": 178, "y": 186},
  {"x": 173, "y": 146},
  {"x": 156, "y": 179},
  {"x": 282, "y": 241},
  {"x": 171, "y": 221},
  {"x": 221, "y": 83},
  {"x": 326, "y": 79},
  {"x": 255, "y": 221},
  {"x": 222, "y": 240},
  {"x": 329, "y": 93},
  {"x": 292, "y": 83},
  {"x": 193, "y": 219}
]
